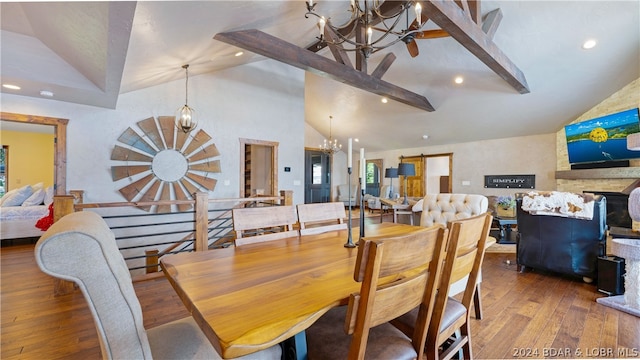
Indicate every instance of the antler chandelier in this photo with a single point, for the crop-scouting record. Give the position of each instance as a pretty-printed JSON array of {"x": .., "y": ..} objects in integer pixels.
[
  {"x": 330, "y": 147},
  {"x": 368, "y": 16}
]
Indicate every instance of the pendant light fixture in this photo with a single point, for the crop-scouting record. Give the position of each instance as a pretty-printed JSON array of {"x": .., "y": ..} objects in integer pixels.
[
  {"x": 330, "y": 147},
  {"x": 185, "y": 120}
]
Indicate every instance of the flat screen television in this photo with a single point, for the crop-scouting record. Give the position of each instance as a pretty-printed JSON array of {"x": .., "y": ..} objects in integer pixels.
[{"x": 602, "y": 139}]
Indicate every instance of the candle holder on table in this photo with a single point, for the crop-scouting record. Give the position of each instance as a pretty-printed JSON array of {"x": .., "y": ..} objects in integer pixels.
[
  {"x": 361, "y": 211},
  {"x": 349, "y": 243}
]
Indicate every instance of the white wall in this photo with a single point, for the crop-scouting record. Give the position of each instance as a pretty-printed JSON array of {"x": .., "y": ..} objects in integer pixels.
[
  {"x": 524, "y": 155},
  {"x": 262, "y": 101}
]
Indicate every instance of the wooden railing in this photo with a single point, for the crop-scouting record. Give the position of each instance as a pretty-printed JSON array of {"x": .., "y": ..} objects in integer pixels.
[{"x": 144, "y": 237}]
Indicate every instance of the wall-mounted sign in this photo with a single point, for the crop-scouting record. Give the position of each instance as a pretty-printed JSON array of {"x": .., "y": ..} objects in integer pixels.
[{"x": 510, "y": 181}]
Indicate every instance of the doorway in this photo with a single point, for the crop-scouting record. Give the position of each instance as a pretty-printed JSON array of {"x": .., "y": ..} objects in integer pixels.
[
  {"x": 317, "y": 176},
  {"x": 258, "y": 164},
  {"x": 434, "y": 175},
  {"x": 60, "y": 144},
  {"x": 438, "y": 170},
  {"x": 374, "y": 177}
]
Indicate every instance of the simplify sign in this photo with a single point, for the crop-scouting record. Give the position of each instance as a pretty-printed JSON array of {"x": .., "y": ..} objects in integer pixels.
[{"x": 510, "y": 181}]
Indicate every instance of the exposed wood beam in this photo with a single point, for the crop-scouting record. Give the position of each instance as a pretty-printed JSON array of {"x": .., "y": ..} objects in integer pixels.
[
  {"x": 383, "y": 66},
  {"x": 464, "y": 6},
  {"x": 361, "y": 60},
  {"x": 453, "y": 20},
  {"x": 277, "y": 49},
  {"x": 491, "y": 22},
  {"x": 337, "y": 50},
  {"x": 476, "y": 12}
]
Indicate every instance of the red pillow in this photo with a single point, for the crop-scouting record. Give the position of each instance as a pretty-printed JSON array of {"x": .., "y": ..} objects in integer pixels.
[{"x": 46, "y": 222}]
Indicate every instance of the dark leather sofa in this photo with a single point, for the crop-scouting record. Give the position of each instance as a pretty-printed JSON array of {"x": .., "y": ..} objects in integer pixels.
[{"x": 560, "y": 244}]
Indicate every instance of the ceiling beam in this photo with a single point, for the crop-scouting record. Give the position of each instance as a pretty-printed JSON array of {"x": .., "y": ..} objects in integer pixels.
[
  {"x": 272, "y": 47},
  {"x": 336, "y": 49},
  {"x": 459, "y": 25},
  {"x": 491, "y": 22},
  {"x": 383, "y": 66}
]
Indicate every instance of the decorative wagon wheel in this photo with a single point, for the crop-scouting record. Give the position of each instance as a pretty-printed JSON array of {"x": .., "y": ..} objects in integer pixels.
[{"x": 164, "y": 164}]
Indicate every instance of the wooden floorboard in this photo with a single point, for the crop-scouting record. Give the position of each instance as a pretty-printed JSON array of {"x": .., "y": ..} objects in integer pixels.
[{"x": 526, "y": 315}]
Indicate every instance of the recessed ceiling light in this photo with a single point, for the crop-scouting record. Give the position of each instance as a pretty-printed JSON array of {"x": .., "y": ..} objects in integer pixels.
[
  {"x": 46, "y": 93},
  {"x": 356, "y": 140},
  {"x": 589, "y": 44},
  {"x": 384, "y": 100},
  {"x": 458, "y": 80},
  {"x": 239, "y": 53},
  {"x": 425, "y": 137},
  {"x": 11, "y": 86}
]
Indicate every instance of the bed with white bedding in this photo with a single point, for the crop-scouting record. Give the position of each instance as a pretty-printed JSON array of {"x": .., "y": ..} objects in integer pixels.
[
  {"x": 20, "y": 221},
  {"x": 20, "y": 210}
]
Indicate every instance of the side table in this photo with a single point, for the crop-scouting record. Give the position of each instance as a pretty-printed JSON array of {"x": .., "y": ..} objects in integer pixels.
[
  {"x": 505, "y": 228},
  {"x": 398, "y": 209}
]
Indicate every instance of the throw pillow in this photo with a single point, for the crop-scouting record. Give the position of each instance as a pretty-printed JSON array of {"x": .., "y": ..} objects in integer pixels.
[
  {"x": 48, "y": 196},
  {"x": 35, "y": 199},
  {"x": 7, "y": 195},
  {"x": 17, "y": 198}
]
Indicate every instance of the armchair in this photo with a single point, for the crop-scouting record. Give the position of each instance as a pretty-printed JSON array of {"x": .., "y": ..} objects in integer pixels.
[
  {"x": 373, "y": 202},
  {"x": 343, "y": 194},
  {"x": 81, "y": 248},
  {"x": 561, "y": 244}
]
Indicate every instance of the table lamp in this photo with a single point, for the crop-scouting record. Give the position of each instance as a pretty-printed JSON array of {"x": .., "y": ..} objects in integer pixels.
[
  {"x": 406, "y": 170},
  {"x": 391, "y": 173}
]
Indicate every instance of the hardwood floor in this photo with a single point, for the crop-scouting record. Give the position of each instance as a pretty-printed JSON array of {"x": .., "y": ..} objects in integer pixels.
[{"x": 529, "y": 315}]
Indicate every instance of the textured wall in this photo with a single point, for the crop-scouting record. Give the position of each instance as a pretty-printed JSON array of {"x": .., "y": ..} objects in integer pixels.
[
  {"x": 471, "y": 161},
  {"x": 250, "y": 101}
]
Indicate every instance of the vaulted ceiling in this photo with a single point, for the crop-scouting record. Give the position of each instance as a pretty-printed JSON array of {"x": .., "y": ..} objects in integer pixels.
[{"x": 90, "y": 52}]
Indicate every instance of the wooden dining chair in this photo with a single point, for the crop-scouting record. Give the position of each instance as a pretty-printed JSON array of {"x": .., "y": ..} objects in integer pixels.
[
  {"x": 397, "y": 274},
  {"x": 260, "y": 224},
  {"x": 81, "y": 248},
  {"x": 321, "y": 217},
  {"x": 449, "y": 328}
]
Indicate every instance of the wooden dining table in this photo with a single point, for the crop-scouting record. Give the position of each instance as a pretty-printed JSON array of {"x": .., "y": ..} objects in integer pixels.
[{"x": 251, "y": 297}]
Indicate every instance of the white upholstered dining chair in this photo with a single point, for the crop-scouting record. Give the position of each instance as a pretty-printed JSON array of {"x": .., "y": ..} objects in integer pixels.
[{"x": 81, "y": 248}]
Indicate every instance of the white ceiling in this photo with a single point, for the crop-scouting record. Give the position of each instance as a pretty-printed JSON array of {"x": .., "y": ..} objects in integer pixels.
[{"x": 89, "y": 52}]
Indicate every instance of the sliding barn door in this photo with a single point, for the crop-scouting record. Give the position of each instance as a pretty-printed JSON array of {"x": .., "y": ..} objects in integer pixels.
[{"x": 415, "y": 184}]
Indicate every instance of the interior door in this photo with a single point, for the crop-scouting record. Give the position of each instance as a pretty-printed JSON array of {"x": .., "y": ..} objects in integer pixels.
[
  {"x": 374, "y": 176},
  {"x": 317, "y": 177},
  {"x": 414, "y": 185},
  {"x": 258, "y": 164}
]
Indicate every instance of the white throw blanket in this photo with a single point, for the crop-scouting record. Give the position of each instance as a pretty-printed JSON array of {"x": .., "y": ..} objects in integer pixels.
[{"x": 557, "y": 203}]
